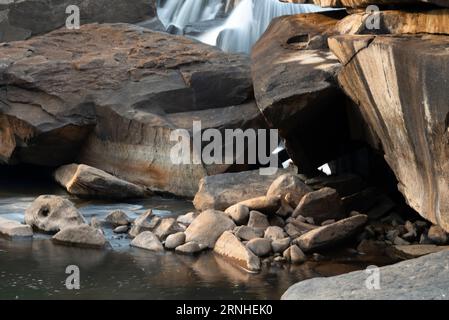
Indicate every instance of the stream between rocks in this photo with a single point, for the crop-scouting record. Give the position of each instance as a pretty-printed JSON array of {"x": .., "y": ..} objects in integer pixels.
[{"x": 35, "y": 269}]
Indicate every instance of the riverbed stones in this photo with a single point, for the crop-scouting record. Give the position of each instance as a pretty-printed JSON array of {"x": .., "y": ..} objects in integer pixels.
[
  {"x": 239, "y": 213},
  {"x": 329, "y": 235},
  {"x": 14, "y": 229},
  {"x": 147, "y": 240},
  {"x": 274, "y": 233},
  {"x": 296, "y": 255},
  {"x": 258, "y": 220},
  {"x": 321, "y": 205},
  {"x": 437, "y": 235},
  {"x": 191, "y": 247},
  {"x": 175, "y": 240},
  {"x": 120, "y": 229},
  {"x": 82, "y": 236},
  {"x": 228, "y": 245},
  {"x": 416, "y": 250},
  {"x": 224, "y": 190},
  {"x": 147, "y": 221},
  {"x": 166, "y": 227},
  {"x": 51, "y": 213},
  {"x": 187, "y": 218},
  {"x": 246, "y": 233},
  {"x": 89, "y": 182},
  {"x": 289, "y": 184},
  {"x": 259, "y": 246},
  {"x": 208, "y": 226},
  {"x": 117, "y": 218},
  {"x": 279, "y": 245},
  {"x": 263, "y": 204}
]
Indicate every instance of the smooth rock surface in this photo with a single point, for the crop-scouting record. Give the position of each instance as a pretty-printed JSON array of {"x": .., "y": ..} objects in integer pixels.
[
  {"x": 259, "y": 246},
  {"x": 289, "y": 184},
  {"x": 13, "y": 229},
  {"x": 147, "y": 221},
  {"x": 82, "y": 236},
  {"x": 148, "y": 241},
  {"x": 175, "y": 240}
]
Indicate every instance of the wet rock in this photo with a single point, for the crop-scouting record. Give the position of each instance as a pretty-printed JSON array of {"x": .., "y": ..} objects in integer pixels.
[
  {"x": 437, "y": 235},
  {"x": 372, "y": 247},
  {"x": 416, "y": 151},
  {"x": 288, "y": 184},
  {"x": 292, "y": 230},
  {"x": 166, "y": 227},
  {"x": 285, "y": 209},
  {"x": 416, "y": 250},
  {"x": 23, "y": 19},
  {"x": 85, "y": 181},
  {"x": 14, "y": 229},
  {"x": 321, "y": 205},
  {"x": 147, "y": 240},
  {"x": 276, "y": 221},
  {"x": 187, "y": 218},
  {"x": 258, "y": 220},
  {"x": 263, "y": 204},
  {"x": 259, "y": 246},
  {"x": 280, "y": 245},
  {"x": 238, "y": 213},
  {"x": 52, "y": 213},
  {"x": 274, "y": 233},
  {"x": 121, "y": 229},
  {"x": 118, "y": 218},
  {"x": 175, "y": 240},
  {"x": 229, "y": 246},
  {"x": 296, "y": 255},
  {"x": 189, "y": 248},
  {"x": 147, "y": 221},
  {"x": 224, "y": 190},
  {"x": 82, "y": 235},
  {"x": 95, "y": 223},
  {"x": 331, "y": 234},
  {"x": 245, "y": 233},
  {"x": 208, "y": 227},
  {"x": 428, "y": 273}
]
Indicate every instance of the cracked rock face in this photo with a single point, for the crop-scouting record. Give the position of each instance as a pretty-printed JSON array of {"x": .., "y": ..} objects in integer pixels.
[
  {"x": 110, "y": 96},
  {"x": 400, "y": 84}
]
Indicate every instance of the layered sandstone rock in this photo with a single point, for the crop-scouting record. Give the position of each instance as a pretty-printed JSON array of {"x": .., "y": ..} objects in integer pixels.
[
  {"x": 22, "y": 19},
  {"x": 400, "y": 84},
  {"x": 134, "y": 86}
]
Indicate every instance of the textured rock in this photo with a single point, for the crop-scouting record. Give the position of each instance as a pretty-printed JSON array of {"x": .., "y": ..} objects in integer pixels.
[
  {"x": 82, "y": 236},
  {"x": 22, "y": 19},
  {"x": 85, "y": 181},
  {"x": 321, "y": 205},
  {"x": 437, "y": 235},
  {"x": 365, "y": 3},
  {"x": 175, "y": 240},
  {"x": 259, "y": 246},
  {"x": 289, "y": 184},
  {"x": 52, "y": 213},
  {"x": 147, "y": 221},
  {"x": 13, "y": 229},
  {"x": 379, "y": 74},
  {"x": 208, "y": 227},
  {"x": 274, "y": 233},
  {"x": 187, "y": 218},
  {"x": 229, "y": 246},
  {"x": 143, "y": 85},
  {"x": 117, "y": 218},
  {"x": 416, "y": 250},
  {"x": 258, "y": 220},
  {"x": 224, "y": 190},
  {"x": 166, "y": 227},
  {"x": 329, "y": 235},
  {"x": 245, "y": 233},
  {"x": 425, "y": 278},
  {"x": 148, "y": 241},
  {"x": 263, "y": 204},
  {"x": 279, "y": 245},
  {"x": 294, "y": 84},
  {"x": 296, "y": 255},
  {"x": 189, "y": 248},
  {"x": 238, "y": 213}
]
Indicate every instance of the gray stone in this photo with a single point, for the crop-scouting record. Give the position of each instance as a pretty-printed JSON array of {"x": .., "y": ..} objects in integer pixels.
[
  {"x": 238, "y": 213},
  {"x": 147, "y": 221},
  {"x": 258, "y": 220},
  {"x": 289, "y": 184},
  {"x": 147, "y": 240},
  {"x": 189, "y": 248},
  {"x": 121, "y": 229},
  {"x": 117, "y": 218},
  {"x": 166, "y": 227},
  {"x": 187, "y": 218},
  {"x": 52, "y": 213},
  {"x": 296, "y": 255},
  {"x": 279, "y": 245},
  {"x": 424, "y": 278},
  {"x": 259, "y": 246},
  {"x": 14, "y": 229},
  {"x": 274, "y": 233},
  {"x": 245, "y": 233},
  {"x": 208, "y": 227},
  {"x": 175, "y": 240},
  {"x": 82, "y": 236}
]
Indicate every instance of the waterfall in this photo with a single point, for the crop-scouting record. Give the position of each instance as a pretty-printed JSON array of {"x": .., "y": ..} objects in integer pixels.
[{"x": 243, "y": 27}]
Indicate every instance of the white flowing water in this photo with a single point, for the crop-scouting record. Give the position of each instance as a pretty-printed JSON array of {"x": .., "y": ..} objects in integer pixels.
[{"x": 242, "y": 28}]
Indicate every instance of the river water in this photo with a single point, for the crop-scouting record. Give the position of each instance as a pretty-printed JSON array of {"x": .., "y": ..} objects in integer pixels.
[{"x": 35, "y": 269}]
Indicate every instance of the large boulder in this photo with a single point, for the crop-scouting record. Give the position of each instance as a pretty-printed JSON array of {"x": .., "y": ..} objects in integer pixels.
[
  {"x": 86, "y": 181},
  {"x": 52, "y": 213},
  {"x": 143, "y": 87},
  {"x": 22, "y": 19},
  {"x": 229, "y": 246},
  {"x": 81, "y": 236},
  {"x": 294, "y": 84},
  {"x": 208, "y": 227},
  {"x": 380, "y": 72},
  {"x": 221, "y": 191},
  {"x": 425, "y": 278}
]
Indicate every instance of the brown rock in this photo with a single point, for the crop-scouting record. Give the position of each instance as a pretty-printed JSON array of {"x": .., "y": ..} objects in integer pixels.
[
  {"x": 238, "y": 213},
  {"x": 437, "y": 235},
  {"x": 258, "y": 220},
  {"x": 263, "y": 204},
  {"x": 288, "y": 184},
  {"x": 259, "y": 246},
  {"x": 81, "y": 235},
  {"x": 274, "y": 233},
  {"x": 147, "y": 221},
  {"x": 117, "y": 218},
  {"x": 14, "y": 229},
  {"x": 148, "y": 241}
]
